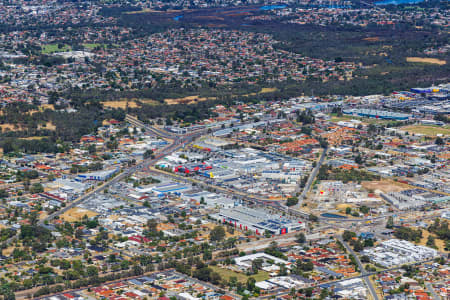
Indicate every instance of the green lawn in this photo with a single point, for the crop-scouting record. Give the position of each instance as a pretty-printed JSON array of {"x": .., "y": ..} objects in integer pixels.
[
  {"x": 341, "y": 118},
  {"x": 52, "y": 48},
  {"x": 430, "y": 130},
  {"x": 335, "y": 118},
  {"x": 241, "y": 277},
  {"x": 93, "y": 46}
]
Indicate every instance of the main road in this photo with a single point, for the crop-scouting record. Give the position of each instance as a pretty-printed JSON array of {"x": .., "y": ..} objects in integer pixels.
[
  {"x": 176, "y": 143},
  {"x": 311, "y": 177},
  {"x": 361, "y": 268}
]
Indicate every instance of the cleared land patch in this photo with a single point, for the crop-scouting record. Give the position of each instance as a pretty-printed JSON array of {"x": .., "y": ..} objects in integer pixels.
[
  {"x": 241, "y": 277},
  {"x": 120, "y": 104},
  {"x": 76, "y": 214},
  {"x": 49, "y": 126},
  {"x": 30, "y": 138},
  {"x": 187, "y": 100},
  {"x": 426, "y": 60},
  {"x": 385, "y": 186},
  {"x": 440, "y": 244},
  {"x": 10, "y": 127}
]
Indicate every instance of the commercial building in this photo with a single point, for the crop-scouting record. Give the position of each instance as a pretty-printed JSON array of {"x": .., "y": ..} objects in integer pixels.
[
  {"x": 269, "y": 263},
  {"x": 397, "y": 252},
  {"x": 257, "y": 220}
]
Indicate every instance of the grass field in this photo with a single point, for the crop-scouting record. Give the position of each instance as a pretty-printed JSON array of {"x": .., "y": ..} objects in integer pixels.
[
  {"x": 426, "y": 60},
  {"x": 148, "y": 10},
  {"x": 92, "y": 46},
  {"x": 149, "y": 101},
  {"x": 52, "y": 48},
  {"x": 364, "y": 120},
  {"x": 241, "y": 277},
  {"x": 341, "y": 118},
  {"x": 30, "y": 138},
  {"x": 187, "y": 100},
  {"x": 120, "y": 104},
  {"x": 430, "y": 130},
  {"x": 262, "y": 91},
  {"x": 267, "y": 90}
]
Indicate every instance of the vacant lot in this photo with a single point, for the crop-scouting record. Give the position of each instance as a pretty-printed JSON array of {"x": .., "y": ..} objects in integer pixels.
[
  {"x": 46, "y": 106},
  {"x": 427, "y": 129},
  {"x": 76, "y": 214},
  {"x": 426, "y": 60},
  {"x": 48, "y": 125},
  {"x": 10, "y": 127},
  {"x": 439, "y": 243},
  {"x": 385, "y": 186},
  {"x": 225, "y": 273},
  {"x": 236, "y": 232}
]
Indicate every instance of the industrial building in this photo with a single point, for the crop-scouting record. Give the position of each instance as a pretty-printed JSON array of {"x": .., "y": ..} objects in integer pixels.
[
  {"x": 99, "y": 176},
  {"x": 378, "y": 114},
  {"x": 257, "y": 220},
  {"x": 413, "y": 198},
  {"x": 164, "y": 189}
]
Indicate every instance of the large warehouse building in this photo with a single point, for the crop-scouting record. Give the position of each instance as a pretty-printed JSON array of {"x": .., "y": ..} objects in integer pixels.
[
  {"x": 256, "y": 220},
  {"x": 378, "y": 114}
]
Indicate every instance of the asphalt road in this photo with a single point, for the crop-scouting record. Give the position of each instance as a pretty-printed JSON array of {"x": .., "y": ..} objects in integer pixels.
[
  {"x": 361, "y": 268},
  {"x": 432, "y": 291},
  {"x": 312, "y": 176},
  {"x": 177, "y": 143},
  {"x": 174, "y": 146},
  {"x": 114, "y": 180},
  {"x": 367, "y": 274}
]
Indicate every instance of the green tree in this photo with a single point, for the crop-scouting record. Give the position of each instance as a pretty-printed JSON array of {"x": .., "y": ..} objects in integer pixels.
[
  {"x": 431, "y": 241},
  {"x": 217, "y": 234},
  {"x": 3, "y": 193},
  {"x": 348, "y": 235},
  {"x": 251, "y": 283},
  {"x": 313, "y": 218},
  {"x": 300, "y": 238},
  {"x": 291, "y": 201},
  {"x": 91, "y": 271},
  {"x": 439, "y": 141},
  {"x": 92, "y": 149},
  {"x": 36, "y": 188},
  {"x": 390, "y": 222}
]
